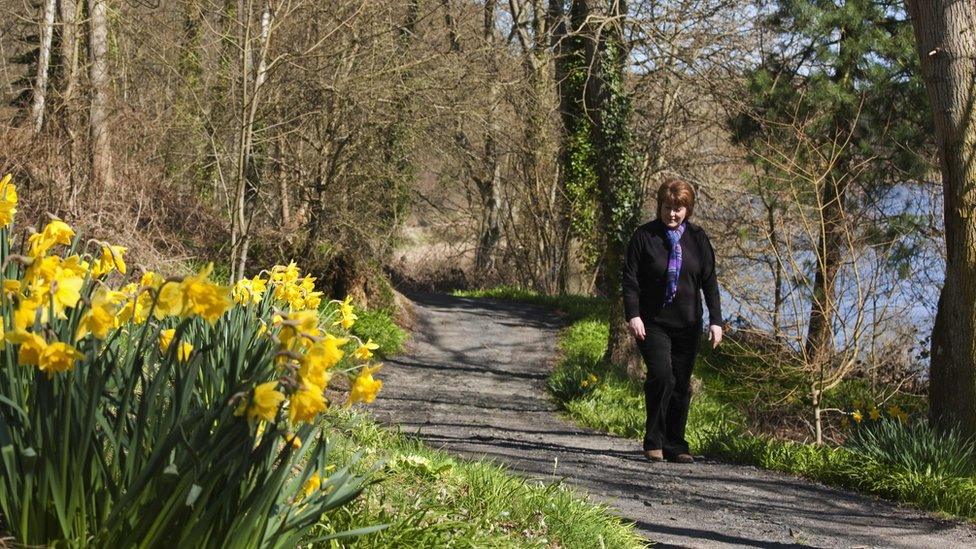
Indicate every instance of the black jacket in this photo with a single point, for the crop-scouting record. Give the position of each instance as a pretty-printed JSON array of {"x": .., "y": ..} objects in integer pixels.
[{"x": 645, "y": 277}]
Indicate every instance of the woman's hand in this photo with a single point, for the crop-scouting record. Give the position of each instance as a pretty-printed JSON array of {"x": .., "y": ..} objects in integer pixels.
[
  {"x": 715, "y": 335},
  {"x": 636, "y": 326}
]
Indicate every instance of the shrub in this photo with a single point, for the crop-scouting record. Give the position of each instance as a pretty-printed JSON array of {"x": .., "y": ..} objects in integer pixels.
[{"x": 156, "y": 415}]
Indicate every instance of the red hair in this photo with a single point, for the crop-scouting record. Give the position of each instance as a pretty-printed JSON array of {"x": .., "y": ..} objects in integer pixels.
[{"x": 676, "y": 192}]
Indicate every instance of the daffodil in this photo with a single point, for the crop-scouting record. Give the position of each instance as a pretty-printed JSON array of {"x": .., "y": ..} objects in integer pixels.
[
  {"x": 249, "y": 290},
  {"x": 170, "y": 300},
  {"x": 8, "y": 201},
  {"x": 54, "y": 233},
  {"x": 11, "y": 287},
  {"x": 166, "y": 339},
  {"x": 32, "y": 346},
  {"x": 110, "y": 260},
  {"x": 365, "y": 351},
  {"x": 184, "y": 351},
  {"x": 100, "y": 317},
  {"x": 365, "y": 388},
  {"x": 874, "y": 414},
  {"x": 204, "y": 298},
  {"x": 346, "y": 315},
  {"x": 857, "y": 416},
  {"x": 265, "y": 402},
  {"x": 305, "y": 403},
  {"x": 311, "y": 485},
  {"x": 58, "y": 357}
]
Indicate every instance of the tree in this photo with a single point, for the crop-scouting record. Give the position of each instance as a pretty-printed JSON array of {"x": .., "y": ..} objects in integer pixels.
[
  {"x": 946, "y": 36},
  {"x": 850, "y": 63},
  {"x": 605, "y": 100},
  {"x": 101, "y": 141}
]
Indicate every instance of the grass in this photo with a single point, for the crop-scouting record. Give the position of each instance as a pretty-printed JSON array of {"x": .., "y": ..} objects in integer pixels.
[
  {"x": 906, "y": 463},
  {"x": 379, "y": 326},
  {"x": 431, "y": 499}
]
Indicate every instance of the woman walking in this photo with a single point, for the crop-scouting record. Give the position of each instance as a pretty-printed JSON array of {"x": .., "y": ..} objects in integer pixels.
[{"x": 669, "y": 264}]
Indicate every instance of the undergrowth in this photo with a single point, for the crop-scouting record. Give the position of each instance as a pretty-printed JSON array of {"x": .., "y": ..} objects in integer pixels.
[{"x": 904, "y": 461}]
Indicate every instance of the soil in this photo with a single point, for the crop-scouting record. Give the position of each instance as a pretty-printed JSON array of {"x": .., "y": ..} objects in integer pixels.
[{"x": 472, "y": 382}]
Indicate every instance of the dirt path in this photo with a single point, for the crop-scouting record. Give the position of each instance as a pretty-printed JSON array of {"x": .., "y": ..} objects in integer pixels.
[{"x": 473, "y": 383}]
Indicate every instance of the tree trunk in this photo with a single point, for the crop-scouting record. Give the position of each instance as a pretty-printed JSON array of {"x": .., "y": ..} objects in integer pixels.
[
  {"x": 820, "y": 331},
  {"x": 945, "y": 32},
  {"x": 43, "y": 66},
  {"x": 619, "y": 189},
  {"x": 69, "y": 48},
  {"x": 489, "y": 184},
  {"x": 103, "y": 177}
]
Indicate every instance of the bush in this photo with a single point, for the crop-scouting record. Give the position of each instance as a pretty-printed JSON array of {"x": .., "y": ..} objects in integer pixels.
[{"x": 155, "y": 415}]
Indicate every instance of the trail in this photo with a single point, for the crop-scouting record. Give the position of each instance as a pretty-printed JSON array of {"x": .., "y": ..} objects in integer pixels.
[{"x": 473, "y": 383}]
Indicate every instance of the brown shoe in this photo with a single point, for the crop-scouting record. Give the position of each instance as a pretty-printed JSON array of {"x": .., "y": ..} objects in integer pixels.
[
  {"x": 654, "y": 455},
  {"x": 683, "y": 458}
]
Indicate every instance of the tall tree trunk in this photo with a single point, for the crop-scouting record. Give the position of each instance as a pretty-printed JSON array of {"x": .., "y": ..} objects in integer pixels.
[
  {"x": 489, "y": 184},
  {"x": 619, "y": 189},
  {"x": 823, "y": 306},
  {"x": 103, "y": 177},
  {"x": 69, "y": 48},
  {"x": 43, "y": 66},
  {"x": 945, "y": 32}
]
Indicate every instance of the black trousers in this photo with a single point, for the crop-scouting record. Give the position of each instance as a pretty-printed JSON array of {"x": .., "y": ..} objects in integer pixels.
[{"x": 669, "y": 354}]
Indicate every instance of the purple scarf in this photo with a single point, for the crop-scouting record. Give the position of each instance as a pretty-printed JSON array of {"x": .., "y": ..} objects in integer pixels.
[{"x": 674, "y": 262}]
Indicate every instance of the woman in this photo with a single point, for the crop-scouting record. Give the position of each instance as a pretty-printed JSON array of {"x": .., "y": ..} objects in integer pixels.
[{"x": 669, "y": 264}]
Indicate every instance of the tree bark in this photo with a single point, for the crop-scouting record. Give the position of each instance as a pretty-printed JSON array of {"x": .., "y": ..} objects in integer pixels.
[
  {"x": 489, "y": 184},
  {"x": 43, "y": 65},
  {"x": 103, "y": 177},
  {"x": 69, "y": 48},
  {"x": 619, "y": 190},
  {"x": 945, "y": 32}
]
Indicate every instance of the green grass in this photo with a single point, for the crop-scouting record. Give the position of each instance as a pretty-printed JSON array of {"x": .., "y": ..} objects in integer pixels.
[
  {"x": 431, "y": 499},
  {"x": 379, "y": 326},
  {"x": 908, "y": 464}
]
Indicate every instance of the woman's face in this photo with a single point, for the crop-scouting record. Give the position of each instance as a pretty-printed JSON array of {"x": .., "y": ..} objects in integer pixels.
[{"x": 672, "y": 215}]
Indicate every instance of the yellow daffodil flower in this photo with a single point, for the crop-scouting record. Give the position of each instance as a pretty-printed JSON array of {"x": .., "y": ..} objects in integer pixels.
[
  {"x": 857, "y": 416},
  {"x": 59, "y": 357},
  {"x": 166, "y": 339},
  {"x": 184, "y": 351},
  {"x": 346, "y": 315},
  {"x": 204, "y": 298},
  {"x": 54, "y": 233},
  {"x": 111, "y": 260},
  {"x": 32, "y": 346},
  {"x": 305, "y": 403},
  {"x": 265, "y": 402},
  {"x": 311, "y": 485},
  {"x": 8, "y": 201},
  {"x": 364, "y": 388},
  {"x": 365, "y": 351}
]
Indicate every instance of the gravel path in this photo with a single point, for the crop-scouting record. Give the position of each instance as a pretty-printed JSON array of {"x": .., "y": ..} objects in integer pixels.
[{"x": 473, "y": 383}]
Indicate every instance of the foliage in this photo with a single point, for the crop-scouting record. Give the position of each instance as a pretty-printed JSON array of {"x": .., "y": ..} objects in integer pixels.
[
  {"x": 157, "y": 414},
  {"x": 914, "y": 448},
  {"x": 431, "y": 499}
]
